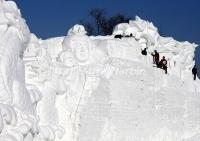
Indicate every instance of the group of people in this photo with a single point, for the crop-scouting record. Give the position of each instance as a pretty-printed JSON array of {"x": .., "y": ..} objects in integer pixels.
[
  {"x": 163, "y": 62},
  {"x": 156, "y": 59},
  {"x": 159, "y": 63}
]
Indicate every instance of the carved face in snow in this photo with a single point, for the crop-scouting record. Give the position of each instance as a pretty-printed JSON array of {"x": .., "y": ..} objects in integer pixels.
[
  {"x": 81, "y": 51},
  {"x": 80, "y": 47}
]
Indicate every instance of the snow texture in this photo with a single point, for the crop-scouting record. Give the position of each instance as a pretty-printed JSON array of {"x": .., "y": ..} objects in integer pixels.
[{"x": 85, "y": 88}]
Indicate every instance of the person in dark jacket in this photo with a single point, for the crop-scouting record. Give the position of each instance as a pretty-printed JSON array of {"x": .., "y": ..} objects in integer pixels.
[
  {"x": 118, "y": 36},
  {"x": 131, "y": 35},
  {"x": 144, "y": 52},
  {"x": 194, "y": 72},
  {"x": 156, "y": 58},
  {"x": 163, "y": 64}
]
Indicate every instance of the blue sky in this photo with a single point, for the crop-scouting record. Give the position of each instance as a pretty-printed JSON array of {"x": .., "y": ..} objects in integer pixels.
[
  {"x": 177, "y": 18},
  {"x": 49, "y": 18}
]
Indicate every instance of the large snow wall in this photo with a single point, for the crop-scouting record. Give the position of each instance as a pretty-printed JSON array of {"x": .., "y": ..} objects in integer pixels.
[
  {"x": 81, "y": 88},
  {"x": 101, "y": 88}
]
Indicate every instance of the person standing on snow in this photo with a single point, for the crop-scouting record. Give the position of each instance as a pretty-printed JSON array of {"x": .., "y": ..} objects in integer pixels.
[
  {"x": 156, "y": 58},
  {"x": 144, "y": 52},
  {"x": 163, "y": 64},
  {"x": 194, "y": 71}
]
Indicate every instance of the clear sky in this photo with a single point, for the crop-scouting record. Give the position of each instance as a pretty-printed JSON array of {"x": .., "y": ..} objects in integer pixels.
[
  {"x": 177, "y": 18},
  {"x": 49, "y": 18}
]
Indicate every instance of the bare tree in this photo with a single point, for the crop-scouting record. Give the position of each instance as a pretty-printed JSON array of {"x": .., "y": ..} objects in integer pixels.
[
  {"x": 98, "y": 15},
  {"x": 103, "y": 25}
]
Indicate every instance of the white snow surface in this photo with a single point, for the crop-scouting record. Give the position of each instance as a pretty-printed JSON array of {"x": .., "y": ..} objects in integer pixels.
[{"x": 85, "y": 88}]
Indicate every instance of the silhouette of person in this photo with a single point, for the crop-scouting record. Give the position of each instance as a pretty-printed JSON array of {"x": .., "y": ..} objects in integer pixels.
[
  {"x": 144, "y": 52},
  {"x": 194, "y": 71},
  {"x": 156, "y": 58},
  {"x": 163, "y": 64}
]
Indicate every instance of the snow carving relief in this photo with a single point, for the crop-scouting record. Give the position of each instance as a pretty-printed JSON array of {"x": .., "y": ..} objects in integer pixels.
[
  {"x": 18, "y": 118},
  {"x": 71, "y": 80},
  {"x": 80, "y": 48},
  {"x": 77, "y": 87},
  {"x": 78, "y": 44}
]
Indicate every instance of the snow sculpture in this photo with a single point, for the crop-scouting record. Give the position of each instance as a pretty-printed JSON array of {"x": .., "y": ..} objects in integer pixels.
[
  {"x": 79, "y": 49},
  {"x": 121, "y": 29},
  {"x": 77, "y": 30},
  {"x": 139, "y": 29},
  {"x": 78, "y": 44},
  {"x": 179, "y": 53},
  {"x": 79, "y": 85},
  {"x": 18, "y": 119},
  {"x": 145, "y": 30}
]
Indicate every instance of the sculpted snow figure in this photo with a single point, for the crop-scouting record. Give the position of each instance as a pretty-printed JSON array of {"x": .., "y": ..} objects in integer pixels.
[
  {"x": 81, "y": 47},
  {"x": 18, "y": 119},
  {"x": 94, "y": 88},
  {"x": 78, "y": 44}
]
